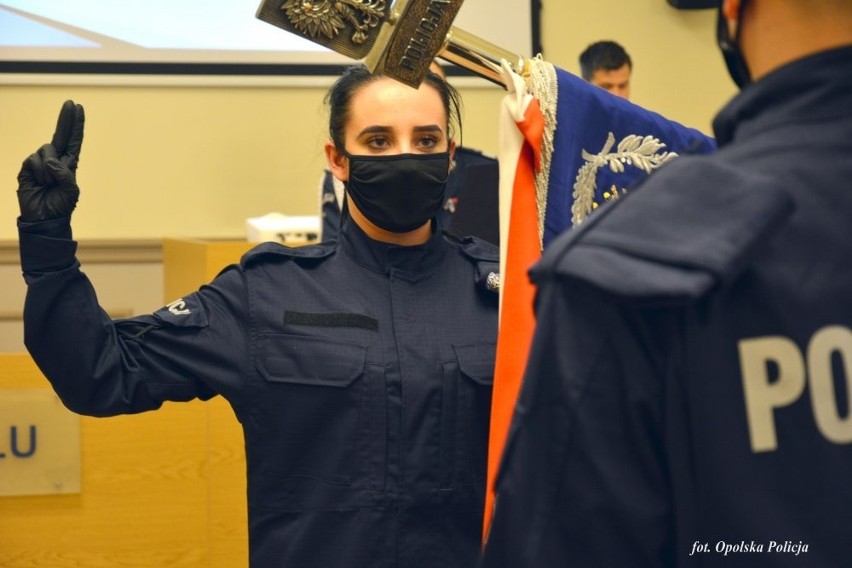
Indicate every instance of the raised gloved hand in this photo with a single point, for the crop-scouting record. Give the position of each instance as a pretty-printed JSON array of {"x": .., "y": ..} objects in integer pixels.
[{"x": 47, "y": 182}]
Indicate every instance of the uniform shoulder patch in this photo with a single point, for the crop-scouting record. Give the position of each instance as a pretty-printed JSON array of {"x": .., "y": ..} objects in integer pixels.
[
  {"x": 691, "y": 226},
  {"x": 183, "y": 312}
]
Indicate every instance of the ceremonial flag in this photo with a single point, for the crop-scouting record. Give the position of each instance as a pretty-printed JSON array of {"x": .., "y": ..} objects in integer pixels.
[{"x": 566, "y": 148}]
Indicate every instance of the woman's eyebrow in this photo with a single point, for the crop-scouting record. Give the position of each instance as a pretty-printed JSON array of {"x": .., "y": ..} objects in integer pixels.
[
  {"x": 378, "y": 129},
  {"x": 429, "y": 128},
  {"x": 375, "y": 129}
]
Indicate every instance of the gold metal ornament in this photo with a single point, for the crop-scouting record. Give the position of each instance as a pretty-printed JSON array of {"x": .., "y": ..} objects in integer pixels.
[{"x": 328, "y": 18}]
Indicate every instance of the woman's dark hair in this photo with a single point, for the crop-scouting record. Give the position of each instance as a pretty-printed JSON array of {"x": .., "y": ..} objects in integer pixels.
[{"x": 354, "y": 78}]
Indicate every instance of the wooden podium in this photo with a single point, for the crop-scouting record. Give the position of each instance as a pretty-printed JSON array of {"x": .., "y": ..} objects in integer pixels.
[
  {"x": 189, "y": 263},
  {"x": 164, "y": 488}
]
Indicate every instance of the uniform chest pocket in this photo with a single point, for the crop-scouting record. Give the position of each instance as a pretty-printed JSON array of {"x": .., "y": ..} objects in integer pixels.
[
  {"x": 315, "y": 405},
  {"x": 310, "y": 361}
]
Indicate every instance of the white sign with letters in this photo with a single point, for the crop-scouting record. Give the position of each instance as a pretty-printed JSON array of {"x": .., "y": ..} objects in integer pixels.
[{"x": 39, "y": 444}]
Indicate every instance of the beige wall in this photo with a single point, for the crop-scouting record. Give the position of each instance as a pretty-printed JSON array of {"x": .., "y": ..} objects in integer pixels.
[{"x": 198, "y": 160}]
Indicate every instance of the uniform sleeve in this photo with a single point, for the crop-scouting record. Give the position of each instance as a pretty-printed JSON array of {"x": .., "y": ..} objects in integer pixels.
[
  {"x": 583, "y": 482},
  {"x": 193, "y": 348}
]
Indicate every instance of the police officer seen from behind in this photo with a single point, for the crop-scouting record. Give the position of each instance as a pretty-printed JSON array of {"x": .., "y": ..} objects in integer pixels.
[
  {"x": 688, "y": 399},
  {"x": 360, "y": 370}
]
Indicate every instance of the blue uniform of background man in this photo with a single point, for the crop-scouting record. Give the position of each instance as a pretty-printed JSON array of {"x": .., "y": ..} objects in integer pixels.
[{"x": 688, "y": 399}]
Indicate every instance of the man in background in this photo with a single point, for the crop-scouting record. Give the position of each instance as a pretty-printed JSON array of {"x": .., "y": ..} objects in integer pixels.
[
  {"x": 607, "y": 65},
  {"x": 688, "y": 397}
]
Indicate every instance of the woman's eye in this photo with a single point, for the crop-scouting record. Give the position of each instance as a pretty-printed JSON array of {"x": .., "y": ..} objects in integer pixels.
[
  {"x": 427, "y": 142},
  {"x": 378, "y": 142}
]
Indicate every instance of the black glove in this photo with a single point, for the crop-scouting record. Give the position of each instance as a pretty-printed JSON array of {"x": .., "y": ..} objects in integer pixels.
[{"x": 47, "y": 183}]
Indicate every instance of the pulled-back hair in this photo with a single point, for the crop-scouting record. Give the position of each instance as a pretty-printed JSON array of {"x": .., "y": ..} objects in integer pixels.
[{"x": 339, "y": 98}]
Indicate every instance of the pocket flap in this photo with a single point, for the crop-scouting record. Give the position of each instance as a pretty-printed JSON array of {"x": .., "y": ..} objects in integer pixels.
[
  {"x": 476, "y": 361},
  {"x": 310, "y": 360}
]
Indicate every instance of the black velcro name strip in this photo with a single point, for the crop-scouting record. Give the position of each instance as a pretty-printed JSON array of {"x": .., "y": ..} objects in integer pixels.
[{"x": 331, "y": 319}]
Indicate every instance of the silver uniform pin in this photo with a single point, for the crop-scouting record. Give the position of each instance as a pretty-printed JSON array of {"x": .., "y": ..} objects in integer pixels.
[{"x": 492, "y": 282}]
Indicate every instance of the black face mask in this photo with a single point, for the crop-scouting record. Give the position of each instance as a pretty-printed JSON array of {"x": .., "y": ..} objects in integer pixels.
[
  {"x": 398, "y": 193},
  {"x": 737, "y": 67}
]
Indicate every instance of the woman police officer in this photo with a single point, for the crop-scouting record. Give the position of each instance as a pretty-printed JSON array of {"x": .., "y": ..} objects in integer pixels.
[{"x": 360, "y": 370}]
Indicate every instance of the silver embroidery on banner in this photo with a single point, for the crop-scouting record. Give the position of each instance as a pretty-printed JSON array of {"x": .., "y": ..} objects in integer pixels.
[{"x": 643, "y": 152}]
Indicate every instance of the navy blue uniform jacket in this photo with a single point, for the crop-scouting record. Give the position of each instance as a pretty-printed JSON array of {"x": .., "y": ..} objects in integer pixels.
[
  {"x": 361, "y": 374},
  {"x": 688, "y": 395}
]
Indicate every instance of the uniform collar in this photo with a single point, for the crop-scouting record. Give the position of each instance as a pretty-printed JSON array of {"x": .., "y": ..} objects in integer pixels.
[
  {"x": 384, "y": 257},
  {"x": 817, "y": 87}
]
